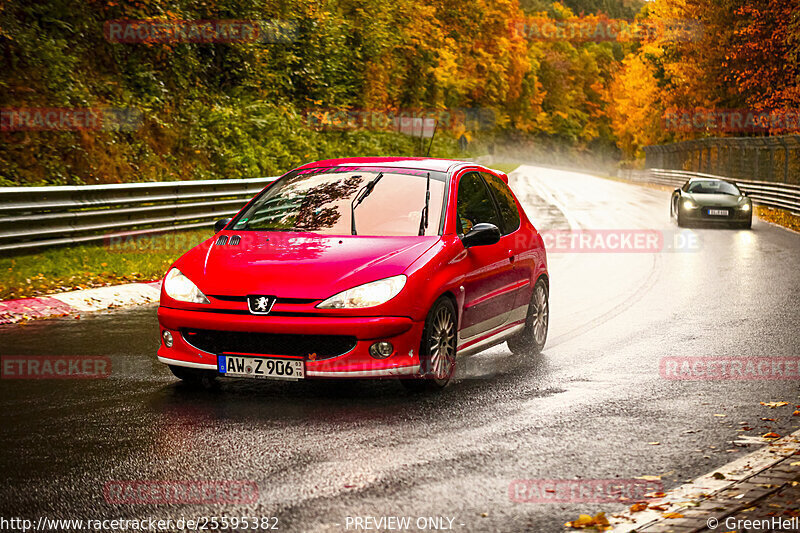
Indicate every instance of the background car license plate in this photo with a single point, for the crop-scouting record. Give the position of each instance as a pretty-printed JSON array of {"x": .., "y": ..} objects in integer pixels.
[
  {"x": 718, "y": 212},
  {"x": 260, "y": 367}
]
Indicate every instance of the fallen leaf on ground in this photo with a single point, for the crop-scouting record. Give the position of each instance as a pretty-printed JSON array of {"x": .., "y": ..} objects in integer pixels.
[
  {"x": 718, "y": 475},
  {"x": 770, "y": 435},
  {"x": 719, "y": 415},
  {"x": 773, "y": 405},
  {"x": 636, "y": 507},
  {"x": 656, "y": 443},
  {"x": 796, "y": 463},
  {"x": 655, "y": 495},
  {"x": 769, "y": 419},
  {"x": 796, "y": 413},
  {"x": 672, "y": 515},
  {"x": 649, "y": 478},
  {"x": 585, "y": 521}
]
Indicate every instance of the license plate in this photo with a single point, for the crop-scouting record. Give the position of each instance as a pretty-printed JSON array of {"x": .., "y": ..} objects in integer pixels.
[
  {"x": 718, "y": 212},
  {"x": 241, "y": 366}
]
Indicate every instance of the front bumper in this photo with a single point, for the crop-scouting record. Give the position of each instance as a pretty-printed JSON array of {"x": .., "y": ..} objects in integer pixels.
[
  {"x": 701, "y": 214},
  {"x": 404, "y": 334}
]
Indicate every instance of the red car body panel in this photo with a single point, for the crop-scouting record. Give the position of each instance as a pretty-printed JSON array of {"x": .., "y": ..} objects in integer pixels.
[{"x": 490, "y": 285}]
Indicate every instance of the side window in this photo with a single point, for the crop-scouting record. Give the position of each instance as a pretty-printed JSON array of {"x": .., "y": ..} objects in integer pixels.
[
  {"x": 505, "y": 203},
  {"x": 475, "y": 205}
]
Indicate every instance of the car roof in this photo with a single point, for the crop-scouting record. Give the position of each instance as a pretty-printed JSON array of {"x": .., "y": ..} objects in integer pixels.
[
  {"x": 423, "y": 163},
  {"x": 419, "y": 163}
]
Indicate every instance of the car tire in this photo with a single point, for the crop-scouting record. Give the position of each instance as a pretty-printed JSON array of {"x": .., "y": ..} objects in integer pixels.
[
  {"x": 437, "y": 350},
  {"x": 194, "y": 377},
  {"x": 681, "y": 221},
  {"x": 531, "y": 340}
]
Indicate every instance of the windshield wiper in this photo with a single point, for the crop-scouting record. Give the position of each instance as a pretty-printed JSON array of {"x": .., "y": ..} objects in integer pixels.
[
  {"x": 362, "y": 194},
  {"x": 423, "y": 219}
]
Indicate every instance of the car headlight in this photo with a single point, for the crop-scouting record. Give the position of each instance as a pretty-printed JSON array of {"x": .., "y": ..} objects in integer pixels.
[
  {"x": 179, "y": 287},
  {"x": 688, "y": 204},
  {"x": 366, "y": 295},
  {"x": 746, "y": 207}
]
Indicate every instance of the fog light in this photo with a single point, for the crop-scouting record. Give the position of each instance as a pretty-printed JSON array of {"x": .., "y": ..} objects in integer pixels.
[
  {"x": 381, "y": 350},
  {"x": 167, "y": 339}
]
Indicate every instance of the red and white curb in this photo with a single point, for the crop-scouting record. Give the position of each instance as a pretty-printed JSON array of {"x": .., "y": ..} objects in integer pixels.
[
  {"x": 686, "y": 496},
  {"x": 77, "y": 302}
]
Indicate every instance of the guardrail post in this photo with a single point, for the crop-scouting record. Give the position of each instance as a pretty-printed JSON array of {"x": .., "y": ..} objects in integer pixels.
[
  {"x": 782, "y": 140},
  {"x": 771, "y": 176}
]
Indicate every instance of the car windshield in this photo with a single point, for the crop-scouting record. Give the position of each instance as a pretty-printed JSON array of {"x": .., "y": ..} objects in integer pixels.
[
  {"x": 319, "y": 200},
  {"x": 712, "y": 187}
]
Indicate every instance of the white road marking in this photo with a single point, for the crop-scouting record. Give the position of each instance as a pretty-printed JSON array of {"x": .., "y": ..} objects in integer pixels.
[{"x": 107, "y": 297}]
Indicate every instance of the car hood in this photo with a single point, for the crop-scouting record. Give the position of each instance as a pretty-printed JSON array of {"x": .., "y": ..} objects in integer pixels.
[
  {"x": 715, "y": 200},
  {"x": 294, "y": 265}
]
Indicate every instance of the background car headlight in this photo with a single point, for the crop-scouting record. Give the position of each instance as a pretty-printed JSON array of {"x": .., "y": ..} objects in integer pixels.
[
  {"x": 746, "y": 207},
  {"x": 179, "y": 287},
  {"x": 367, "y": 295},
  {"x": 688, "y": 204}
]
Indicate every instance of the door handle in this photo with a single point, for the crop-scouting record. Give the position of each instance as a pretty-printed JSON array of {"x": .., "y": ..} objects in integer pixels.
[{"x": 511, "y": 256}]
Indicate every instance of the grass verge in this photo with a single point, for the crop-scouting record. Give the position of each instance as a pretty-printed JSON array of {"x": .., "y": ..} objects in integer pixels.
[
  {"x": 781, "y": 217},
  {"x": 128, "y": 260}
]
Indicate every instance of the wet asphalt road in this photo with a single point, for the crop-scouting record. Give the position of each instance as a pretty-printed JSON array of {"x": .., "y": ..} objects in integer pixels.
[{"x": 320, "y": 452}]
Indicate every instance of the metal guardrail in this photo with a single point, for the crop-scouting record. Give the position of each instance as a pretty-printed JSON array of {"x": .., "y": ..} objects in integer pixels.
[
  {"x": 32, "y": 218},
  {"x": 781, "y": 195},
  {"x": 774, "y": 158},
  {"x": 36, "y": 217}
]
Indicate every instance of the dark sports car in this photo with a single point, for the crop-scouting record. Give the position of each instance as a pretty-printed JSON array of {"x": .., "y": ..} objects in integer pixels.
[{"x": 712, "y": 201}]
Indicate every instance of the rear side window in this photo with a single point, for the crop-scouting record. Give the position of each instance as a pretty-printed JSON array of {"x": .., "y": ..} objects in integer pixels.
[
  {"x": 505, "y": 203},
  {"x": 475, "y": 205}
]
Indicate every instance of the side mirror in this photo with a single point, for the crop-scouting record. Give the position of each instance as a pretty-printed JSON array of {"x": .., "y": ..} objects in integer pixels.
[
  {"x": 676, "y": 191},
  {"x": 482, "y": 234},
  {"x": 219, "y": 225}
]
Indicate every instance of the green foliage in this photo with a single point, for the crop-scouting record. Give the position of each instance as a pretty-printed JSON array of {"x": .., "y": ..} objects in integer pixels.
[{"x": 231, "y": 110}]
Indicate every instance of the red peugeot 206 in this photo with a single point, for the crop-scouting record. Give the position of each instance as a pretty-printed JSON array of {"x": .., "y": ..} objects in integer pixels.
[{"x": 355, "y": 268}]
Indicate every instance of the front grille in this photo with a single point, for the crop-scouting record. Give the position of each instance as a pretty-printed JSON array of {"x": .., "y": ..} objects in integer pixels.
[
  {"x": 291, "y": 301},
  {"x": 216, "y": 342}
]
